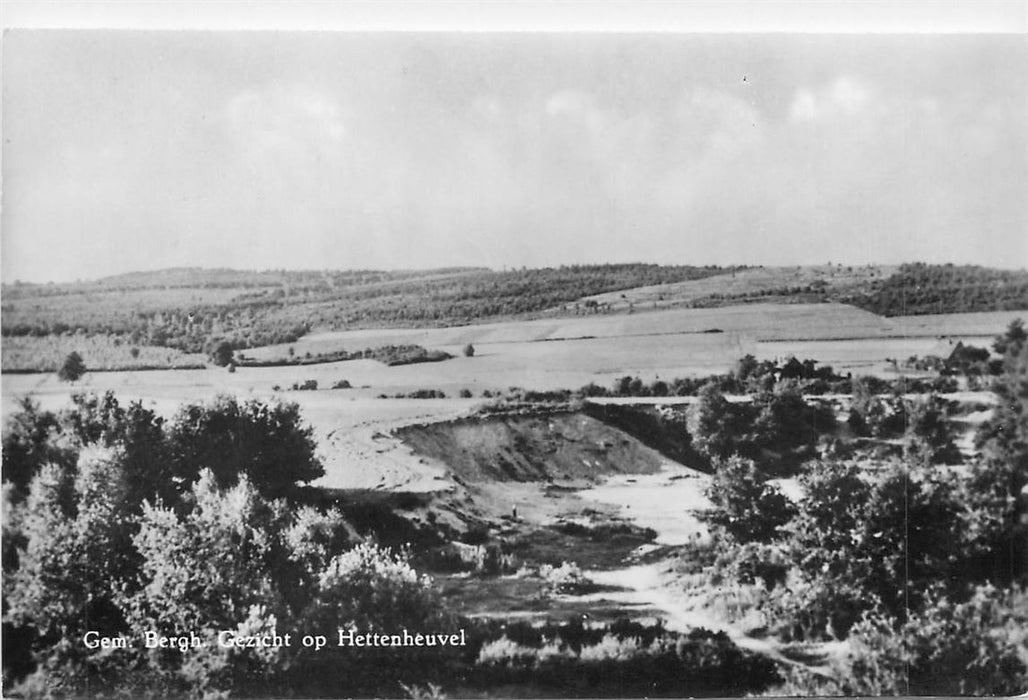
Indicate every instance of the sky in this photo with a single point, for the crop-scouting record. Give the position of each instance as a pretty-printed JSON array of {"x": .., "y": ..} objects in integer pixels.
[{"x": 139, "y": 150}]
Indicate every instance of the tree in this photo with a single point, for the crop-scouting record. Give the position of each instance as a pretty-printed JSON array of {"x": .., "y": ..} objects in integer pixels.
[
  {"x": 73, "y": 368},
  {"x": 222, "y": 353},
  {"x": 999, "y": 484},
  {"x": 746, "y": 506},
  {"x": 268, "y": 443},
  {"x": 787, "y": 426},
  {"x": 722, "y": 425},
  {"x": 928, "y": 435},
  {"x": 1011, "y": 342},
  {"x": 76, "y": 555},
  {"x": 32, "y": 438},
  {"x": 745, "y": 367},
  {"x": 859, "y": 542}
]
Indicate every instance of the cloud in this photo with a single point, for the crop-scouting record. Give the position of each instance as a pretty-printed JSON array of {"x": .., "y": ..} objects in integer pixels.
[
  {"x": 845, "y": 96},
  {"x": 280, "y": 119},
  {"x": 544, "y": 150}
]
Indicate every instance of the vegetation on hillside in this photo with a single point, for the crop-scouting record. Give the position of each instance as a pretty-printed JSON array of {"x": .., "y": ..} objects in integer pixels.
[
  {"x": 918, "y": 288},
  {"x": 193, "y": 312},
  {"x": 196, "y": 310}
]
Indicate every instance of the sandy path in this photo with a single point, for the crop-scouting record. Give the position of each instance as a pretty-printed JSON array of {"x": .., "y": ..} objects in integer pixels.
[{"x": 667, "y": 502}]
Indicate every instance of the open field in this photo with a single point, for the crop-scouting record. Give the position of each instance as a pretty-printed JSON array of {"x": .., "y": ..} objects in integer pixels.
[
  {"x": 750, "y": 323},
  {"x": 545, "y": 355},
  {"x": 98, "y": 352}
]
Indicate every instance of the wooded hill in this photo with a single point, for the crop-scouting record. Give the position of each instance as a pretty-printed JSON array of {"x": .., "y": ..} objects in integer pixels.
[
  {"x": 192, "y": 310},
  {"x": 917, "y": 289},
  {"x": 187, "y": 309}
]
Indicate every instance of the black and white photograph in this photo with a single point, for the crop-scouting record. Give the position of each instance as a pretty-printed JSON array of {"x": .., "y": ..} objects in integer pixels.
[{"x": 616, "y": 350}]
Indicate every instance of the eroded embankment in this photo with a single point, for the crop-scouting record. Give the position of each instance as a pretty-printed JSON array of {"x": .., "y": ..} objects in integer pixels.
[{"x": 568, "y": 446}]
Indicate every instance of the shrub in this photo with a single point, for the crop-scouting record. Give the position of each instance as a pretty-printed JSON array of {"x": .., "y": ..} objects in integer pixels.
[
  {"x": 746, "y": 506},
  {"x": 268, "y": 443},
  {"x": 371, "y": 589},
  {"x": 32, "y": 438},
  {"x": 858, "y": 543},
  {"x": 928, "y": 434},
  {"x": 948, "y": 648},
  {"x": 565, "y": 579},
  {"x": 73, "y": 368},
  {"x": 74, "y": 558},
  {"x": 221, "y": 353}
]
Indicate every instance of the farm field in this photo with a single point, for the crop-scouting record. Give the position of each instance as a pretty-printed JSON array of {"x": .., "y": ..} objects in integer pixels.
[
  {"x": 745, "y": 324},
  {"x": 547, "y": 355}
]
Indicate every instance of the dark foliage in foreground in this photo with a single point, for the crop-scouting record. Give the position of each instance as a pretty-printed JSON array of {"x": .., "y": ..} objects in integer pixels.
[
  {"x": 621, "y": 659},
  {"x": 268, "y": 443}
]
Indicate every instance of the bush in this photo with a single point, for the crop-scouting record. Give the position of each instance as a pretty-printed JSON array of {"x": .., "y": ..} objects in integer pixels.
[
  {"x": 625, "y": 657},
  {"x": 268, "y": 443},
  {"x": 779, "y": 428},
  {"x": 928, "y": 434},
  {"x": 858, "y": 542},
  {"x": 221, "y": 354},
  {"x": 746, "y": 506},
  {"x": 722, "y": 424},
  {"x": 372, "y": 589},
  {"x": 566, "y": 579},
  {"x": 32, "y": 438},
  {"x": 948, "y": 648},
  {"x": 72, "y": 369},
  {"x": 74, "y": 558}
]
